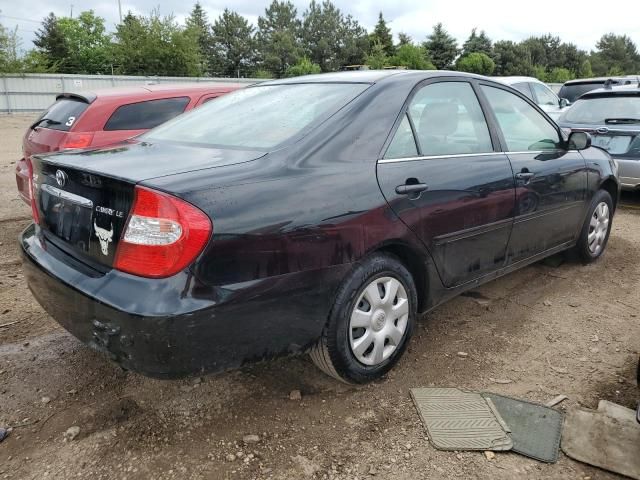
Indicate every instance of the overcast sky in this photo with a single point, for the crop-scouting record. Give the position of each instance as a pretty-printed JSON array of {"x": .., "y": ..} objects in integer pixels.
[{"x": 581, "y": 23}]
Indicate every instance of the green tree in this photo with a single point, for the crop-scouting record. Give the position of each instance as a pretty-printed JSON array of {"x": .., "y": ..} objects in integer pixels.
[
  {"x": 382, "y": 35},
  {"x": 585, "y": 70},
  {"x": 476, "y": 62},
  {"x": 87, "y": 42},
  {"x": 155, "y": 45},
  {"x": 51, "y": 44},
  {"x": 234, "y": 44},
  {"x": 378, "y": 58},
  {"x": 404, "y": 39},
  {"x": 511, "y": 59},
  {"x": 442, "y": 47},
  {"x": 198, "y": 23},
  {"x": 330, "y": 39},
  {"x": 9, "y": 44},
  {"x": 480, "y": 43},
  {"x": 615, "y": 54},
  {"x": 413, "y": 57},
  {"x": 559, "y": 75},
  {"x": 303, "y": 67},
  {"x": 278, "y": 37}
]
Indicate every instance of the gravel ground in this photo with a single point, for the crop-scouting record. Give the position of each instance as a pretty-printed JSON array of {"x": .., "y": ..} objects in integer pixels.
[{"x": 542, "y": 331}]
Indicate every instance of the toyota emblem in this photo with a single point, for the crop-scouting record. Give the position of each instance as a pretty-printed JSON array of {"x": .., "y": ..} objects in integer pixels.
[{"x": 61, "y": 178}]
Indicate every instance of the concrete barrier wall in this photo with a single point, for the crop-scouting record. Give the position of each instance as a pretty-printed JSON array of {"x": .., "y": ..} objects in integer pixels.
[{"x": 34, "y": 92}]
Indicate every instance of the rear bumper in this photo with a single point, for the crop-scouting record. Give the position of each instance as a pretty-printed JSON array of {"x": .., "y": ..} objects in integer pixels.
[
  {"x": 629, "y": 173},
  {"x": 176, "y": 327}
]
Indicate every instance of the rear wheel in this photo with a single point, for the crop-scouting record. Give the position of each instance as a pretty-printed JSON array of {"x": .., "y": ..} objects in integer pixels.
[
  {"x": 370, "y": 323},
  {"x": 597, "y": 226}
]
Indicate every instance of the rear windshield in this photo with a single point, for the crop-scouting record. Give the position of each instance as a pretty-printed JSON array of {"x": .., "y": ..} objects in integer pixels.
[
  {"x": 63, "y": 114},
  {"x": 146, "y": 115},
  {"x": 595, "y": 110},
  {"x": 258, "y": 117}
]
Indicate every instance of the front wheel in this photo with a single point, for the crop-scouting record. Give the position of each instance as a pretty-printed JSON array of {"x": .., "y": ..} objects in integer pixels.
[
  {"x": 597, "y": 226},
  {"x": 370, "y": 323}
]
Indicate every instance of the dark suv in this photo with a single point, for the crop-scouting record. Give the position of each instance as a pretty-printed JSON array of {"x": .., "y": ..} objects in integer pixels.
[
  {"x": 574, "y": 89},
  {"x": 612, "y": 116}
]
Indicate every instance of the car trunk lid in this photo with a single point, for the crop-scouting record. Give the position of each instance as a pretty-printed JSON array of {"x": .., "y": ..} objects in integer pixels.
[{"x": 83, "y": 199}]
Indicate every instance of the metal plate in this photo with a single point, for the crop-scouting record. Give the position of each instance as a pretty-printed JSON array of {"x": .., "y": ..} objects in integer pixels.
[
  {"x": 535, "y": 429},
  {"x": 460, "y": 420}
]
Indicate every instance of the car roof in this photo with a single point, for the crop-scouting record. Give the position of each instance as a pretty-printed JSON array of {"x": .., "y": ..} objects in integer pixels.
[
  {"x": 633, "y": 89},
  {"x": 515, "y": 79},
  {"x": 579, "y": 81},
  {"x": 135, "y": 92},
  {"x": 372, "y": 76}
]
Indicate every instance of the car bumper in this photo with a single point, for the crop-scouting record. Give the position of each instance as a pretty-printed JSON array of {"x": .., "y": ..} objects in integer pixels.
[
  {"x": 629, "y": 173},
  {"x": 174, "y": 328}
]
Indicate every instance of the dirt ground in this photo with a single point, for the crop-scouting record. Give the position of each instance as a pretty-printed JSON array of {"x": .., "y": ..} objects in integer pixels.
[{"x": 568, "y": 329}]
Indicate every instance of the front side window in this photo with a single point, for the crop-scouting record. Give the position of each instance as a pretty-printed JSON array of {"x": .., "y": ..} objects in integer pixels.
[
  {"x": 523, "y": 127},
  {"x": 259, "y": 117},
  {"x": 448, "y": 120},
  {"x": 544, "y": 95},
  {"x": 146, "y": 115}
]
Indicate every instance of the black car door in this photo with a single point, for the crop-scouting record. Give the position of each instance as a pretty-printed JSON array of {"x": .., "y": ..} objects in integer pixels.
[
  {"x": 444, "y": 179},
  {"x": 550, "y": 181}
]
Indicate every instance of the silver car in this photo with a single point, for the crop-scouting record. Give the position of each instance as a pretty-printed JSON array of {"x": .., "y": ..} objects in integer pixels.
[{"x": 539, "y": 92}]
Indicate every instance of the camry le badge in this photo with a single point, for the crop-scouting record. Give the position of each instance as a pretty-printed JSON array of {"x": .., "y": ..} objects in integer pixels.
[{"x": 61, "y": 178}]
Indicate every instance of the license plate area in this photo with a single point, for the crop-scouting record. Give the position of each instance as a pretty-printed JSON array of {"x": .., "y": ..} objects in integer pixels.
[
  {"x": 614, "y": 144},
  {"x": 67, "y": 216}
]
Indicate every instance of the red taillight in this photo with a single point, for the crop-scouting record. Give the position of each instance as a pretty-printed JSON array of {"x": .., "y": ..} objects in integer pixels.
[
  {"x": 76, "y": 140},
  {"x": 163, "y": 235},
  {"x": 22, "y": 180},
  {"x": 32, "y": 197}
]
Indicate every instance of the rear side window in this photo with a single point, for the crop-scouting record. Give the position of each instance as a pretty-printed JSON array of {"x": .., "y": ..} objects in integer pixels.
[
  {"x": 523, "y": 127},
  {"x": 403, "y": 144},
  {"x": 544, "y": 95},
  {"x": 63, "y": 114},
  {"x": 448, "y": 120},
  {"x": 146, "y": 115}
]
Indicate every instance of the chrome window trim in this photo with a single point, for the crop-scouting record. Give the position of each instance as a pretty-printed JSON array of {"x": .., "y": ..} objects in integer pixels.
[
  {"x": 71, "y": 197},
  {"x": 460, "y": 155}
]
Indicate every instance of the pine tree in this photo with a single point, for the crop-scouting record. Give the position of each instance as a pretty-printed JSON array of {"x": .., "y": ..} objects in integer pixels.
[
  {"x": 442, "y": 47},
  {"x": 278, "y": 37},
  {"x": 478, "y": 43},
  {"x": 404, "y": 39},
  {"x": 382, "y": 35},
  {"x": 198, "y": 22},
  {"x": 51, "y": 44},
  {"x": 234, "y": 44}
]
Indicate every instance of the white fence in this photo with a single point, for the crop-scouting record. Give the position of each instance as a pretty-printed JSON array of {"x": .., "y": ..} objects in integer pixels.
[{"x": 33, "y": 92}]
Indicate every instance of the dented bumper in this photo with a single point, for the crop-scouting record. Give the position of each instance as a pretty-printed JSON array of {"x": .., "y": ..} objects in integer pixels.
[{"x": 172, "y": 328}]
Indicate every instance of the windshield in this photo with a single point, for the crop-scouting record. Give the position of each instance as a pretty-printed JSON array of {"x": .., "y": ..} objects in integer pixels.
[
  {"x": 258, "y": 117},
  {"x": 595, "y": 110}
]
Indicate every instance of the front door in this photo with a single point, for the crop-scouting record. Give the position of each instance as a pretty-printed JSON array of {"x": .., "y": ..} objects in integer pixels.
[
  {"x": 550, "y": 181},
  {"x": 442, "y": 177}
]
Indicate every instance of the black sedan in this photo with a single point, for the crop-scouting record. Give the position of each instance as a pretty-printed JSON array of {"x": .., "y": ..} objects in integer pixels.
[
  {"x": 612, "y": 116},
  {"x": 320, "y": 214}
]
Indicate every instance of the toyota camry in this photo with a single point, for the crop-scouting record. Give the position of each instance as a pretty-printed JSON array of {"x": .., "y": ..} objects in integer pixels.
[{"x": 319, "y": 215}]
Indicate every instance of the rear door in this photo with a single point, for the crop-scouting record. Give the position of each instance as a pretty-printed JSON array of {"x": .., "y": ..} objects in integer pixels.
[
  {"x": 550, "y": 181},
  {"x": 135, "y": 118},
  {"x": 442, "y": 176}
]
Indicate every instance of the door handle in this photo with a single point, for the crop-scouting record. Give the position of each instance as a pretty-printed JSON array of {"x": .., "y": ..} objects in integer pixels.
[
  {"x": 409, "y": 188},
  {"x": 524, "y": 176}
]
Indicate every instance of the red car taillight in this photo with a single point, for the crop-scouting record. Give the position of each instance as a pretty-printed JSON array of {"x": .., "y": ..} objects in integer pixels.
[
  {"x": 76, "y": 140},
  {"x": 32, "y": 197},
  {"x": 163, "y": 235}
]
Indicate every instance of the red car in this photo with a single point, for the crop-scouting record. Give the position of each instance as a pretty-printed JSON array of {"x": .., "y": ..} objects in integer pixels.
[{"x": 104, "y": 117}]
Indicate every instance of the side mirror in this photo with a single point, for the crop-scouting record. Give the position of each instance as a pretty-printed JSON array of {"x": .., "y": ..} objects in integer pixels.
[
  {"x": 564, "y": 103},
  {"x": 579, "y": 141}
]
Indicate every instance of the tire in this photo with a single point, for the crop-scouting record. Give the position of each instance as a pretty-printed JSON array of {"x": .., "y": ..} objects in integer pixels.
[
  {"x": 597, "y": 226},
  {"x": 360, "y": 354}
]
